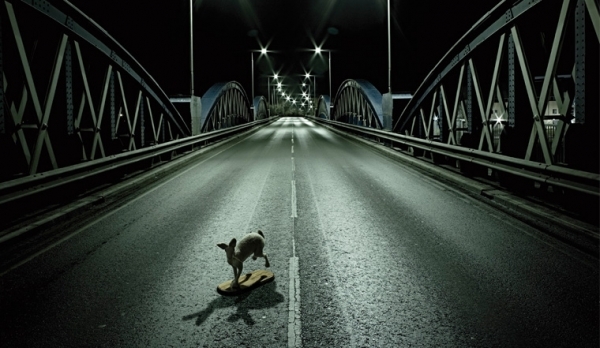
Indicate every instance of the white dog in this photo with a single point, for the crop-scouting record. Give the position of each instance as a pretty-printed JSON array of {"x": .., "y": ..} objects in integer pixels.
[{"x": 237, "y": 253}]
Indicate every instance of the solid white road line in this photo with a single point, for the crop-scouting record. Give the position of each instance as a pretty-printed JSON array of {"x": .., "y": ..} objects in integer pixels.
[
  {"x": 294, "y": 210},
  {"x": 294, "y": 322}
]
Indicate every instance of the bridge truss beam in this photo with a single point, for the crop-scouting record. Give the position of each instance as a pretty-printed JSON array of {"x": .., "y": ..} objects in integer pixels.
[
  {"x": 515, "y": 85},
  {"x": 70, "y": 93}
]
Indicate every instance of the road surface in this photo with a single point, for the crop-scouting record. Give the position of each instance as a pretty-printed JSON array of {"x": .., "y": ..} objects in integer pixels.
[{"x": 366, "y": 253}]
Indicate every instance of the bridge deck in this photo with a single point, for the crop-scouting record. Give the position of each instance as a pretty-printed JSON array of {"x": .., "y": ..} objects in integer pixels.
[{"x": 366, "y": 252}]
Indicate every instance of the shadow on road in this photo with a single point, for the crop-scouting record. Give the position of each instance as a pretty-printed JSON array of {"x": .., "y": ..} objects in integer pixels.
[{"x": 264, "y": 297}]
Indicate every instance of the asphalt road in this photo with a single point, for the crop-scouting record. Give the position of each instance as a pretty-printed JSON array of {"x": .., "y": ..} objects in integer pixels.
[{"x": 366, "y": 253}]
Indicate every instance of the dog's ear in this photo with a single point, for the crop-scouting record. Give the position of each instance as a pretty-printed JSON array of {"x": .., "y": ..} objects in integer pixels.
[
  {"x": 232, "y": 243},
  {"x": 222, "y": 246}
]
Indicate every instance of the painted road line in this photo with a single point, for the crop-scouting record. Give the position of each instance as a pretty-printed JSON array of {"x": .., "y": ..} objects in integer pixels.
[
  {"x": 294, "y": 211},
  {"x": 294, "y": 323}
]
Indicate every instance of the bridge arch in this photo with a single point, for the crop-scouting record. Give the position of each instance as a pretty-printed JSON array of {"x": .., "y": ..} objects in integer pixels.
[
  {"x": 261, "y": 108},
  {"x": 224, "y": 105},
  {"x": 358, "y": 102},
  {"x": 323, "y": 109}
]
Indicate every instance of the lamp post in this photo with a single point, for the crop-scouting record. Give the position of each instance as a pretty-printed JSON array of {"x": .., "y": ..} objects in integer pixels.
[
  {"x": 318, "y": 50},
  {"x": 191, "y": 47},
  {"x": 262, "y": 51},
  {"x": 275, "y": 76},
  {"x": 314, "y": 84},
  {"x": 389, "y": 50},
  {"x": 278, "y": 90}
]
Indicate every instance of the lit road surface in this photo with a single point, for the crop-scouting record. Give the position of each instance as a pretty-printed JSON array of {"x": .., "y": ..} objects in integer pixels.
[{"x": 366, "y": 253}]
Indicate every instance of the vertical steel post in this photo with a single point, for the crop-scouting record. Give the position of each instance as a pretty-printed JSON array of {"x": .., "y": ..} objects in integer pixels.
[
  {"x": 511, "y": 82},
  {"x": 2, "y": 121},
  {"x": 580, "y": 62},
  {"x": 69, "y": 88},
  {"x": 113, "y": 109},
  {"x": 469, "y": 101},
  {"x": 142, "y": 124},
  {"x": 441, "y": 116},
  {"x": 330, "y": 75}
]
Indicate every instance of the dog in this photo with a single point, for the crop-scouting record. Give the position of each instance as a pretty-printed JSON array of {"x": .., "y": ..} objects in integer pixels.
[{"x": 237, "y": 253}]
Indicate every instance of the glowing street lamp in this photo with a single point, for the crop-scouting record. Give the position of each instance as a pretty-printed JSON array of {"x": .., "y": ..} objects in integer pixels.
[
  {"x": 263, "y": 51},
  {"x": 318, "y": 51},
  {"x": 307, "y": 75},
  {"x": 269, "y": 85}
]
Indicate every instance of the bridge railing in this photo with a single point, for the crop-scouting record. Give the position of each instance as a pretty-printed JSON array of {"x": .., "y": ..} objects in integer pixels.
[
  {"x": 507, "y": 103},
  {"x": 546, "y": 174},
  {"x": 516, "y": 85},
  {"x": 70, "y": 93},
  {"x": 28, "y": 193}
]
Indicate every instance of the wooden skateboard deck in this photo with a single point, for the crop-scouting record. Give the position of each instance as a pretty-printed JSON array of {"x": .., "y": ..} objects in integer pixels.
[{"x": 247, "y": 282}]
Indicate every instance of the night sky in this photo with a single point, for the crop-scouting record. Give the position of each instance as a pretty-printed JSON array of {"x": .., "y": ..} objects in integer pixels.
[{"x": 156, "y": 33}]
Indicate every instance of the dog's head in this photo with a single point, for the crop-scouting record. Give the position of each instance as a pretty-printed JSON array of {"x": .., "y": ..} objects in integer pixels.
[{"x": 229, "y": 249}]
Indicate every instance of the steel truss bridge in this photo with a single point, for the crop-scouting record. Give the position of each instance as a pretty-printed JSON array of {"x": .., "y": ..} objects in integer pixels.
[{"x": 74, "y": 104}]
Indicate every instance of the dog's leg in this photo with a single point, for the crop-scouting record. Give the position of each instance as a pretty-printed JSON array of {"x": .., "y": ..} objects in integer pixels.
[
  {"x": 234, "y": 282},
  {"x": 238, "y": 274},
  {"x": 259, "y": 253}
]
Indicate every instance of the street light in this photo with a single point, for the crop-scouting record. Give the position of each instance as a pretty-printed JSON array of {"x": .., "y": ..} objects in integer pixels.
[
  {"x": 318, "y": 51},
  {"x": 307, "y": 75},
  {"x": 191, "y": 47},
  {"x": 389, "y": 51},
  {"x": 276, "y": 77},
  {"x": 262, "y": 51}
]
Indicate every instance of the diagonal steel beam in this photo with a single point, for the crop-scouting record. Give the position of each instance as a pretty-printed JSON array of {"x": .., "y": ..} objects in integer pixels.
[
  {"x": 592, "y": 7},
  {"x": 43, "y": 137},
  {"x": 485, "y": 129},
  {"x": 532, "y": 96}
]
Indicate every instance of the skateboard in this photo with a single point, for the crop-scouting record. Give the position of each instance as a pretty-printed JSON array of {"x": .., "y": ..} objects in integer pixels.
[{"x": 248, "y": 281}]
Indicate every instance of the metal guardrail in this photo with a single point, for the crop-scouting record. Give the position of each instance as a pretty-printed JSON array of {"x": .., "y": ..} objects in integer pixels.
[
  {"x": 30, "y": 187},
  {"x": 557, "y": 176}
]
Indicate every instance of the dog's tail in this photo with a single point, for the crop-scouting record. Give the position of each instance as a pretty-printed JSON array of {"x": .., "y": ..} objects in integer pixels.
[{"x": 261, "y": 234}]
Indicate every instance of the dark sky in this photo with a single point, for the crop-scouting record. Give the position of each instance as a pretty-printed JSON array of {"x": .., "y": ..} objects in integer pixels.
[{"x": 156, "y": 33}]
